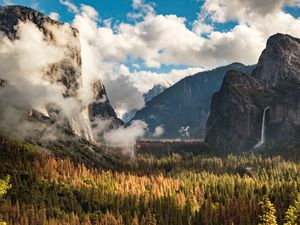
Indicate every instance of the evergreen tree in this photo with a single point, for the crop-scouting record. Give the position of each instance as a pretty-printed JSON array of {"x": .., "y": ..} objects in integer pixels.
[
  {"x": 267, "y": 212},
  {"x": 292, "y": 216},
  {"x": 4, "y": 186},
  {"x": 148, "y": 219},
  {"x": 135, "y": 220}
]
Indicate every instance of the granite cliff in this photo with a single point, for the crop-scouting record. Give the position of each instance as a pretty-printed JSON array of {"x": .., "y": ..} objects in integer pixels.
[
  {"x": 237, "y": 108},
  {"x": 65, "y": 73}
]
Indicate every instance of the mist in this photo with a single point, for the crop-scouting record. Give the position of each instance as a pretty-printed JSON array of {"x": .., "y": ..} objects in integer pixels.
[{"x": 34, "y": 67}]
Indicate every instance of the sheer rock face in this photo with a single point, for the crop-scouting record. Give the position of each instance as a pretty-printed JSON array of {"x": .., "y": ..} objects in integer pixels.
[
  {"x": 67, "y": 71},
  {"x": 234, "y": 119},
  {"x": 279, "y": 62},
  {"x": 284, "y": 117},
  {"x": 237, "y": 109},
  {"x": 101, "y": 108},
  {"x": 186, "y": 104}
]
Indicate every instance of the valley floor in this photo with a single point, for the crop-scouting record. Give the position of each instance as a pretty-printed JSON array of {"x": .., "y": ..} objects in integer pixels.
[{"x": 162, "y": 187}]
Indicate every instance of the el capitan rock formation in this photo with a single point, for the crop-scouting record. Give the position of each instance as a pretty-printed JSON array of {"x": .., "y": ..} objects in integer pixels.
[{"x": 67, "y": 72}]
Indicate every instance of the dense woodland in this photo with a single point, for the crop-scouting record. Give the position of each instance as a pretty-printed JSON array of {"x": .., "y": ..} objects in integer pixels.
[{"x": 175, "y": 188}]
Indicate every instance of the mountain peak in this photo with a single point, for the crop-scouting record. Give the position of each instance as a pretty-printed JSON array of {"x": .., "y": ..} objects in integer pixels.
[
  {"x": 279, "y": 62},
  {"x": 154, "y": 91},
  {"x": 281, "y": 39},
  {"x": 11, "y": 15}
]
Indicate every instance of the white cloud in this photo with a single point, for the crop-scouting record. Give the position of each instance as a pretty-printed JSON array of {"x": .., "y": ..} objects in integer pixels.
[
  {"x": 8, "y": 2},
  {"x": 158, "y": 131},
  {"x": 54, "y": 16},
  {"x": 165, "y": 39},
  {"x": 125, "y": 137},
  {"x": 244, "y": 10},
  {"x": 71, "y": 6},
  {"x": 145, "y": 80},
  {"x": 140, "y": 9},
  {"x": 200, "y": 26},
  {"x": 25, "y": 63},
  {"x": 257, "y": 21}
]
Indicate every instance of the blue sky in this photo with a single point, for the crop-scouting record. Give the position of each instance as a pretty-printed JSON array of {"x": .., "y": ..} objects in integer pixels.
[{"x": 116, "y": 9}]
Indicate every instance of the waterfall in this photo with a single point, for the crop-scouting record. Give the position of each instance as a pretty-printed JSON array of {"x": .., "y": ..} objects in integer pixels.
[{"x": 263, "y": 129}]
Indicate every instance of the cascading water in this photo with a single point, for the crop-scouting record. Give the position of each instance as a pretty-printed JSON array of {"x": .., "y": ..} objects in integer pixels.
[{"x": 263, "y": 129}]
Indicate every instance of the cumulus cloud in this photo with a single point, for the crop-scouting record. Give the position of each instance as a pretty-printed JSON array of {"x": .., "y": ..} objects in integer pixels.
[
  {"x": 141, "y": 8},
  {"x": 244, "y": 10},
  {"x": 165, "y": 39},
  {"x": 256, "y": 21},
  {"x": 54, "y": 16},
  {"x": 144, "y": 80},
  {"x": 70, "y": 5}
]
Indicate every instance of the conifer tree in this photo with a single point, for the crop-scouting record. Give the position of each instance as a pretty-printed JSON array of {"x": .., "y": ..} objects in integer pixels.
[
  {"x": 135, "y": 220},
  {"x": 292, "y": 216},
  {"x": 267, "y": 212},
  {"x": 148, "y": 219},
  {"x": 4, "y": 186}
]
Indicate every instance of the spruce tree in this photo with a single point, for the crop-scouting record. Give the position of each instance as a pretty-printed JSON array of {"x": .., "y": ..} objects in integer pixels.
[
  {"x": 267, "y": 212},
  {"x": 292, "y": 216},
  {"x": 4, "y": 186}
]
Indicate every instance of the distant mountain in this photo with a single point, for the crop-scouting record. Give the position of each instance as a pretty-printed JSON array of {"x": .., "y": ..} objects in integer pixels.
[
  {"x": 273, "y": 90},
  {"x": 127, "y": 117},
  {"x": 183, "y": 109},
  {"x": 152, "y": 93}
]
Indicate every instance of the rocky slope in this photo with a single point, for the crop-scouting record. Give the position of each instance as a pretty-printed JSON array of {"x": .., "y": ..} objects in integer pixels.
[
  {"x": 237, "y": 109},
  {"x": 66, "y": 72},
  {"x": 186, "y": 105}
]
